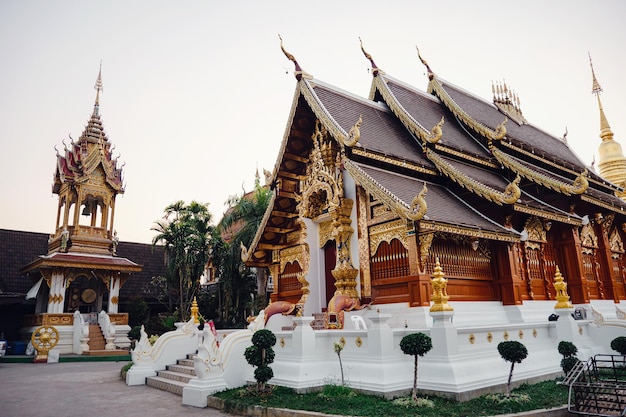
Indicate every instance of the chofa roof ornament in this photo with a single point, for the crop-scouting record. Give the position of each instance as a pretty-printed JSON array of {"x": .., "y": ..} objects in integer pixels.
[{"x": 299, "y": 72}]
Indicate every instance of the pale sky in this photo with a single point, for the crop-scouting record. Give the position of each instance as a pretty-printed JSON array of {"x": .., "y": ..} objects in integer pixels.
[{"x": 197, "y": 94}]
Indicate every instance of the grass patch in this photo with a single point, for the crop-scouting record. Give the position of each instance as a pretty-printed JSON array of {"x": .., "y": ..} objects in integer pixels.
[{"x": 341, "y": 400}]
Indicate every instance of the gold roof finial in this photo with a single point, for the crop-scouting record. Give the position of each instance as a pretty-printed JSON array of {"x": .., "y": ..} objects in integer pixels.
[
  {"x": 431, "y": 74},
  {"x": 375, "y": 69},
  {"x": 299, "y": 73}
]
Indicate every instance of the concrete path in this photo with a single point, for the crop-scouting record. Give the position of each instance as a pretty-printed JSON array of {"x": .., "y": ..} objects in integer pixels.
[{"x": 80, "y": 389}]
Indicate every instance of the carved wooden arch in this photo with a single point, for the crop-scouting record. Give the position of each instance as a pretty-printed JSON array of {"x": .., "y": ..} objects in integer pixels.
[{"x": 386, "y": 232}]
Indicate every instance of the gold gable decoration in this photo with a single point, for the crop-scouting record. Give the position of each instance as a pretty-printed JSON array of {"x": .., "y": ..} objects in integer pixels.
[
  {"x": 323, "y": 186},
  {"x": 588, "y": 238},
  {"x": 615, "y": 242}
]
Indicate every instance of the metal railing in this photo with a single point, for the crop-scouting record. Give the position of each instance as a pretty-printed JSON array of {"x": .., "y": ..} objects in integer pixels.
[{"x": 598, "y": 387}]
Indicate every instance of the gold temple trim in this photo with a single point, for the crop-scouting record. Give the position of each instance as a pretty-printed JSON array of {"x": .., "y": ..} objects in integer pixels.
[
  {"x": 578, "y": 186},
  {"x": 478, "y": 160},
  {"x": 509, "y": 196},
  {"x": 547, "y": 215},
  {"x": 425, "y": 226},
  {"x": 415, "y": 211},
  {"x": 435, "y": 86},
  {"x": 608, "y": 206},
  {"x": 393, "y": 161}
]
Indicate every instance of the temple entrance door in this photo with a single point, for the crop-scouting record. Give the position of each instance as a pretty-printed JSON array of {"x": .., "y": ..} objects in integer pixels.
[{"x": 330, "y": 260}]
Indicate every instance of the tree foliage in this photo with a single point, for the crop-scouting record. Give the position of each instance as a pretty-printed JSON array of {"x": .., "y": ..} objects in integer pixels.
[
  {"x": 619, "y": 344},
  {"x": 569, "y": 351},
  {"x": 514, "y": 352},
  {"x": 416, "y": 344},
  {"x": 185, "y": 233},
  {"x": 239, "y": 293},
  {"x": 260, "y": 355}
]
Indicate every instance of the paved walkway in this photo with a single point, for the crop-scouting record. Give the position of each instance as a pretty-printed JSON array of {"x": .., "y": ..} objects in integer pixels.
[{"x": 79, "y": 389}]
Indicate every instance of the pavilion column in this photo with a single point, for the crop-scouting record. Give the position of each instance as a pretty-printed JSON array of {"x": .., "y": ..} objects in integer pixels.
[
  {"x": 114, "y": 293},
  {"x": 56, "y": 297}
]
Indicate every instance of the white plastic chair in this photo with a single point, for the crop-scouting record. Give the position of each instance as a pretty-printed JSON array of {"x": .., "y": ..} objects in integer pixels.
[{"x": 358, "y": 322}]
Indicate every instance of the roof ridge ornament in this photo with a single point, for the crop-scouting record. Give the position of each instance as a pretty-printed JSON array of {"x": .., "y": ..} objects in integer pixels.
[
  {"x": 355, "y": 133},
  {"x": 431, "y": 74},
  {"x": 507, "y": 101},
  {"x": 512, "y": 192},
  {"x": 299, "y": 72},
  {"x": 500, "y": 131},
  {"x": 375, "y": 69},
  {"x": 436, "y": 132},
  {"x": 418, "y": 207}
]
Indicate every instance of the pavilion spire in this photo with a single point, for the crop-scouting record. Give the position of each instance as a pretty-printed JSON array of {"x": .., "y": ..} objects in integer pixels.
[{"x": 98, "y": 87}]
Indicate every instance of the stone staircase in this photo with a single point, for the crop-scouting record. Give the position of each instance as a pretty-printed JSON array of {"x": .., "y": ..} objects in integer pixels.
[
  {"x": 97, "y": 344},
  {"x": 174, "y": 377}
]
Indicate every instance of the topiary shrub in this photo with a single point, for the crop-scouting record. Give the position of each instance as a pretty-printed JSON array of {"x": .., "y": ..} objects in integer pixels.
[
  {"x": 514, "y": 352},
  {"x": 260, "y": 355},
  {"x": 416, "y": 344},
  {"x": 569, "y": 351},
  {"x": 619, "y": 344}
]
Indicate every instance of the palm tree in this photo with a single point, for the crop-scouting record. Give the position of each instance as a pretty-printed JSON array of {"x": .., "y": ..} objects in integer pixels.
[
  {"x": 239, "y": 226},
  {"x": 185, "y": 232}
]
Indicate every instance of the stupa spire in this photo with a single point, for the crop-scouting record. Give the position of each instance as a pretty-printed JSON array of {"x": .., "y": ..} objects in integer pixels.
[{"x": 605, "y": 129}]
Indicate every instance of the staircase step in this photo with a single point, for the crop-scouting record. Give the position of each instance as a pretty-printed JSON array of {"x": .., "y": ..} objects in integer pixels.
[
  {"x": 176, "y": 376},
  {"x": 185, "y": 362},
  {"x": 182, "y": 369},
  {"x": 105, "y": 352},
  {"x": 166, "y": 384}
]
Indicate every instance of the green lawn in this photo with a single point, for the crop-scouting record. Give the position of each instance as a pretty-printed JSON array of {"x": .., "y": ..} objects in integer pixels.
[{"x": 335, "y": 399}]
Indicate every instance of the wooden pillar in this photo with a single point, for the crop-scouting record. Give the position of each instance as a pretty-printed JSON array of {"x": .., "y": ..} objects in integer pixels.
[
  {"x": 508, "y": 282},
  {"x": 419, "y": 286},
  {"x": 604, "y": 266}
]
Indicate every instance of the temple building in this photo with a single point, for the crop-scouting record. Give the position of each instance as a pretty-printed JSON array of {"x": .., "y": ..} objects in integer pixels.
[
  {"x": 77, "y": 283},
  {"x": 370, "y": 195}
]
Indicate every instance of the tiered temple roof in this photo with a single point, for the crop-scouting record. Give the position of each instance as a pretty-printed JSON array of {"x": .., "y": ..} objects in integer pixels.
[{"x": 485, "y": 167}]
